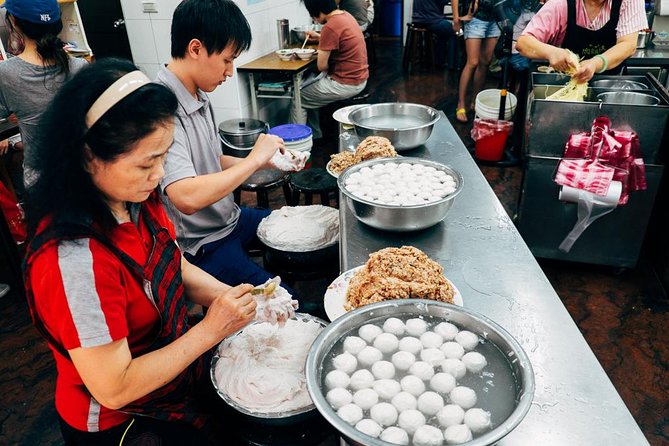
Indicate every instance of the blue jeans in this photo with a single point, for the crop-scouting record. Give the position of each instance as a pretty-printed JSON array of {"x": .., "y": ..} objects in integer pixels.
[
  {"x": 227, "y": 260},
  {"x": 444, "y": 32}
]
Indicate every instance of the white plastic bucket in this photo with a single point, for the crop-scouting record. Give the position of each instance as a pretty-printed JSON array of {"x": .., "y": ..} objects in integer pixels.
[
  {"x": 487, "y": 104},
  {"x": 300, "y": 145}
]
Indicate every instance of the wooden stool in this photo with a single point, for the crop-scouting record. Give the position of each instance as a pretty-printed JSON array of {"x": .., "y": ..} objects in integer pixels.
[
  {"x": 261, "y": 182},
  {"x": 313, "y": 181},
  {"x": 419, "y": 48}
]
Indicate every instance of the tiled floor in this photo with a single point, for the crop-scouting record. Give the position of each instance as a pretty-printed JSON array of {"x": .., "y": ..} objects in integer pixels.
[{"x": 623, "y": 315}]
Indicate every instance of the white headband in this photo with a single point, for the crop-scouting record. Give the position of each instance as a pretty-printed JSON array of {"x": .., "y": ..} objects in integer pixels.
[{"x": 113, "y": 95}]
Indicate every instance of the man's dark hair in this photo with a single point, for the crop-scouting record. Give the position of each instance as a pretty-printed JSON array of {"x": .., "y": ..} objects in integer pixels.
[
  {"x": 215, "y": 23},
  {"x": 315, "y": 7}
]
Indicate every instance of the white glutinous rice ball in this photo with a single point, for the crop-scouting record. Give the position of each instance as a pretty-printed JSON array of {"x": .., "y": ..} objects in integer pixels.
[
  {"x": 369, "y": 332},
  {"x": 431, "y": 339},
  {"x": 455, "y": 367},
  {"x": 474, "y": 361},
  {"x": 442, "y": 383},
  {"x": 457, "y": 434},
  {"x": 350, "y": 413},
  {"x": 403, "y": 360},
  {"x": 416, "y": 327},
  {"x": 403, "y": 401},
  {"x": 369, "y": 355},
  {"x": 432, "y": 356},
  {"x": 450, "y": 415},
  {"x": 394, "y": 326},
  {"x": 361, "y": 379},
  {"x": 395, "y": 435},
  {"x": 339, "y": 397},
  {"x": 383, "y": 370},
  {"x": 428, "y": 436},
  {"x": 336, "y": 378},
  {"x": 345, "y": 362},
  {"x": 477, "y": 420},
  {"x": 413, "y": 385},
  {"x": 446, "y": 330},
  {"x": 369, "y": 427},
  {"x": 410, "y": 420},
  {"x": 430, "y": 403},
  {"x": 365, "y": 398},
  {"x": 467, "y": 340},
  {"x": 386, "y": 342},
  {"x": 451, "y": 350},
  {"x": 354, "y": 344},
  {"x": 463, "y": 397},
  {"x": 422, "y": 369},
  {"x": 387, "y": 388},
  {"x": 411, "y": 345},
  {"x": 384, "y": 413}
]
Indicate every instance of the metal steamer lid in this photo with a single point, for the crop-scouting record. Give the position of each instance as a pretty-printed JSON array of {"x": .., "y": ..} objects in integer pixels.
[
  {"x": 291, "y": 132},
  {"x": 242, "y": 127}
]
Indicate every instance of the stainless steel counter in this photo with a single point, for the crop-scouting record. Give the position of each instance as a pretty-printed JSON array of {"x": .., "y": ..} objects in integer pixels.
[{"x": 482, "y": 253}]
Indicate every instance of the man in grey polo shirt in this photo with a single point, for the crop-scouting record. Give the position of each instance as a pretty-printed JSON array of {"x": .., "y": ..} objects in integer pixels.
[{"x": 207, "y": 35}]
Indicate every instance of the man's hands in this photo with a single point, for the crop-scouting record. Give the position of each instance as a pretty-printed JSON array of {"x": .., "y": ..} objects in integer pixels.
[{"x": 265, "y": 148}]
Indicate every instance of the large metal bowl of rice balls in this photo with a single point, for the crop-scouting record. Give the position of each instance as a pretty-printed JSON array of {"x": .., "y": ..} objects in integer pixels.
[
  {"x": 400, "y": 194},
  {"x": 418, "y": 372}
]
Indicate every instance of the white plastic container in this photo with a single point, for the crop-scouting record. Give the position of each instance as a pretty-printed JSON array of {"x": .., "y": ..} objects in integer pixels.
[{"x": 487, "y": 104}]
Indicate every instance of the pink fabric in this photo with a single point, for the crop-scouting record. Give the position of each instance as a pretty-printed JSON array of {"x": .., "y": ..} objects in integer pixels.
[
  {"x": 592, "y": 160},
  {"x": 549, "y": 25}
]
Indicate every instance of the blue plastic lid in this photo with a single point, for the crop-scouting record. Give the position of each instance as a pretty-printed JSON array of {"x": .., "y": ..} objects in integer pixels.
[{"x": 291, "y": 132}]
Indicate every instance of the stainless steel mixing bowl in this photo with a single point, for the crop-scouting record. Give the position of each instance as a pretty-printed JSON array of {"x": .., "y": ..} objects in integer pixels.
[
  {"x": 628, "y": 97},
  {"x": 513, "y": 354},
  {"x": 399, "y": 218},
  {"x": 618, "y": 84},
  {"x": 300, "y": 31},
  {"x": 406, "y": 125},
  {"x": 267, "y": 418}
]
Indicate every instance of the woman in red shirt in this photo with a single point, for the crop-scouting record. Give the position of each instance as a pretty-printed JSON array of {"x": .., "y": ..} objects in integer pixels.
[{"x": 106, "y": 283}]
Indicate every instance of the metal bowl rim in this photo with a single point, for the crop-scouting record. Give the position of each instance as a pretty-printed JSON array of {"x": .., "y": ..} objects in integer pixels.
[
  {"x": 263, "y": 415},
  {"x": 635, "y": 93},
  {"x": 433, "y": 111},
  {"x": 341, "y": 179},
  {"x": 512, "y": 421}
]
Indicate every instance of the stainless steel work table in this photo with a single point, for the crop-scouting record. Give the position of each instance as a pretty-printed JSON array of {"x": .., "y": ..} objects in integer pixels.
[{"x": 575, "y": 403}]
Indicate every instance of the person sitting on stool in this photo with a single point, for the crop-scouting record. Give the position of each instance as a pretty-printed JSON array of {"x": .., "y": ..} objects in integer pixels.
[
  {"x": 342, "y": 56},
  {"x": 430, "y": 14}
]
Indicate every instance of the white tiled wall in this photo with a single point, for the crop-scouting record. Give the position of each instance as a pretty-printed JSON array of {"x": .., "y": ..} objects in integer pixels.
[{"x": 149, "y": 35}]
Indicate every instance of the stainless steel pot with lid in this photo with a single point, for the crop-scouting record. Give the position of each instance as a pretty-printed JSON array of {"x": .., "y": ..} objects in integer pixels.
[{"x": 239, "y": 135}]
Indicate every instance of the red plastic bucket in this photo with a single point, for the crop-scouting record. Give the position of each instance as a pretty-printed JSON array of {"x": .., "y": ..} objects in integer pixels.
[{"x": 490, "y": 136}]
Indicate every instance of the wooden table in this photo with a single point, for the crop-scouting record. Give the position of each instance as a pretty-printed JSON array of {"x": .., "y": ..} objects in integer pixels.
[{"x": 270, "y": 63}]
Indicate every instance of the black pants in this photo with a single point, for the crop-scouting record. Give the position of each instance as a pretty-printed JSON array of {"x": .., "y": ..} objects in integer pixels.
[{"x": 138, "y": 431}]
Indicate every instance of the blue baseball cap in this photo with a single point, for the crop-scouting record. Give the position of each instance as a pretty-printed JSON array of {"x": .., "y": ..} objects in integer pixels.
[{"x": 34, "y": 11}]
